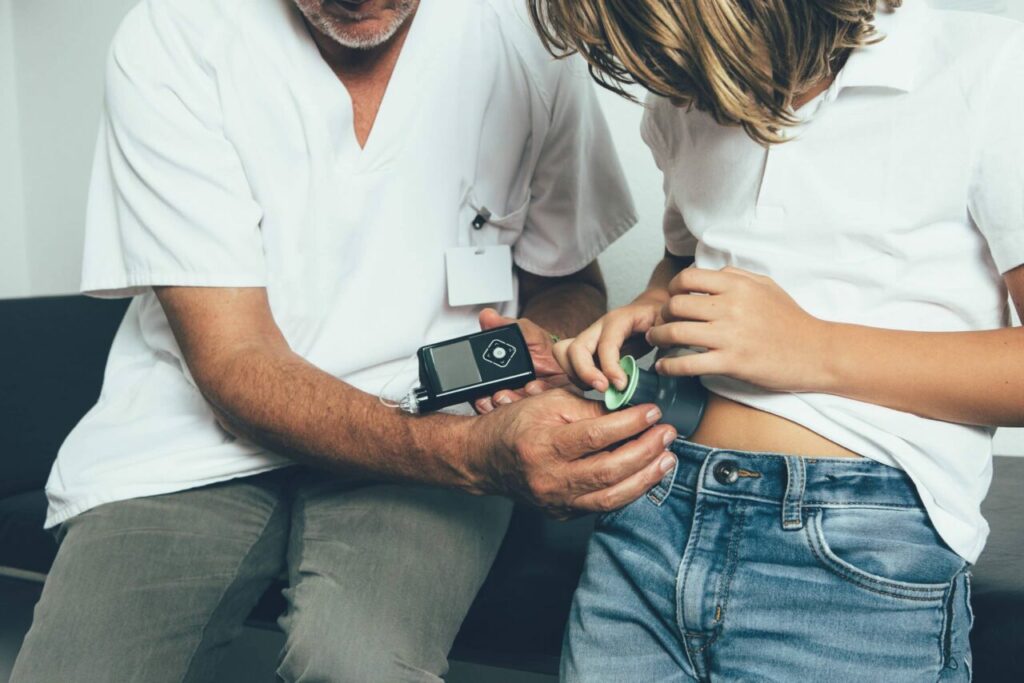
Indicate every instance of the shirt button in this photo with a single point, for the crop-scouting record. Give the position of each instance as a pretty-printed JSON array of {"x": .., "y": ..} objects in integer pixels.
[{"x": 727, "y": 472}]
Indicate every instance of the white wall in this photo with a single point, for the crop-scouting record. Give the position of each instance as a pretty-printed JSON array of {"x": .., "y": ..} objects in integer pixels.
[
  {"x": 14, "y": 275},
  {"x": 60, "y": 49},
  {"x": 49, "y": 111}
]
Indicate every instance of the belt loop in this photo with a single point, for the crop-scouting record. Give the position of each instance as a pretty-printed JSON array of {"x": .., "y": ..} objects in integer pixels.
[
  {"x": 792, "y": 503},
  {"x": 659, "y": 493}
]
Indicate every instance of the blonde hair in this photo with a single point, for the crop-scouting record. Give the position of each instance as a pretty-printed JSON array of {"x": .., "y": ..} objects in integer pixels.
[{"x": 742, "y": 61}]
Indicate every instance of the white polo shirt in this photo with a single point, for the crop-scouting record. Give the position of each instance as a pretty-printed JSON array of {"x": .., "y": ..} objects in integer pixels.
[
  {"x": 227, "y": 158},
  {"x": 897, "y": 204}
]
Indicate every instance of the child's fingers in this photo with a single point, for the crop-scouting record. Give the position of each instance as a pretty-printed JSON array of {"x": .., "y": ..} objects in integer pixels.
[
  {"x": 687, "y": 333},
  {"x": 694, "y": 364},
  {"x": 581, "y": 359},
  {"x": 561, "y": 353},
  {"x": 609, "y": 351}
]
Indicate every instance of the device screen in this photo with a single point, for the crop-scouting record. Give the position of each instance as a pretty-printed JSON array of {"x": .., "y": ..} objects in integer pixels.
[{"x": 455, "y": 365}]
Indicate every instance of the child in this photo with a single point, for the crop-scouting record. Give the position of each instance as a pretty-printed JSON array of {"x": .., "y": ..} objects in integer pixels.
[{"x": 847, "y": 176}]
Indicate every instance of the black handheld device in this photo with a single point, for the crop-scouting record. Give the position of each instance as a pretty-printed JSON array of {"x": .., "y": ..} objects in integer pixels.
[{"x": 467, "y": 368}]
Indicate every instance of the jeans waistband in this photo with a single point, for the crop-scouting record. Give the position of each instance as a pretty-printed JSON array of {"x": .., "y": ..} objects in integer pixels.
[{"x": 791, "y": 481}]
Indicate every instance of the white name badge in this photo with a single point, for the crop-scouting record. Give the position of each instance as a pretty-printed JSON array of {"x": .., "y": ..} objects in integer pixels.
[{"x": 479, "y": 275}]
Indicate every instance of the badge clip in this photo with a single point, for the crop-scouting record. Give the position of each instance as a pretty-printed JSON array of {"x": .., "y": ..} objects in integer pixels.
[{"x": 482, "y": 216}]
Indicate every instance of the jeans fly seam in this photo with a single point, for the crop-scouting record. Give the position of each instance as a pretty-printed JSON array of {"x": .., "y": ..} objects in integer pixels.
[
  {"x": 698, "y": 519},
  {"x": 683, "y": 572},
  {"x": 708, "y": 640},
  {"x": 731, "y": 563}
]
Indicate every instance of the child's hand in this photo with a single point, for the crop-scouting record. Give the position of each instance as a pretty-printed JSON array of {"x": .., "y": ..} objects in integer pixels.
[
  {"x": 605, "y": 339},
  {"x": 752, "y": 329}
]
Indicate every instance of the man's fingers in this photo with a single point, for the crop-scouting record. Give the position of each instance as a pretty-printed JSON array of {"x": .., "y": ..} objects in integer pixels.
[
  {"x": 591, "y": 435},
  {"x": 539, "y": 386},
  {"x": 629, "y": 489},
  {"x": 508, "y": 396},
  {"x": 608, "y": 469},
  {"x": 490, "y": 318},
  {"x": 483, "y": 405}
]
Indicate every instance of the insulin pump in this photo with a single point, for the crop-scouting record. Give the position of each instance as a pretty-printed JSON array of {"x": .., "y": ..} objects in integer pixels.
[{"x": 467, "y": 368}]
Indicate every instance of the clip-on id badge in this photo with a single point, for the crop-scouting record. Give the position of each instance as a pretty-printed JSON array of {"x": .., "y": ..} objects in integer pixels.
[{"x": 480, "y": 274}]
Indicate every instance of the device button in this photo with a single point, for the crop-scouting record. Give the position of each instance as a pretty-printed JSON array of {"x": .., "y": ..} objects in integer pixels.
[
  {"x": 499, "y": 353},
  {"x": 726, "y": 472}
]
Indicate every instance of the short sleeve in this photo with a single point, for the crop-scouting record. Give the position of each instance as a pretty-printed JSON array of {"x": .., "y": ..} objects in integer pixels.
[
  {"x": 996, "y": 193},
  {"x": 579, "y": 198},
  {"x": 679, "y": 241},
  {"x": 169, "y": 203}
]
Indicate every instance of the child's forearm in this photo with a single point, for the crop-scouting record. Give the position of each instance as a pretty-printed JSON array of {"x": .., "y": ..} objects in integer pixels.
[
  {"x": 657, "y": 287},
  {"x": 966, "y": 377},
  {"x": 755, "y": 332}
]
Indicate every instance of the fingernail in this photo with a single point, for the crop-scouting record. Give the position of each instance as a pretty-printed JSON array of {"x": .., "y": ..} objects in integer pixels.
[
  {"x": 534, "y": 389},
  {"x": 669, "y": 437},
  {"x": 648, "y": 336},
  {"x": 621, "y": 384},
  {"x": 667, "y": 463},
  {"x": 504, "y": 400},
  {"x": 653, "y": 415},
  {"x": 486, "y": 406}
]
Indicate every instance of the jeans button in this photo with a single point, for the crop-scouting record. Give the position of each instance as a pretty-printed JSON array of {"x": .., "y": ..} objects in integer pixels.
[{"x": 727, "y": 472}]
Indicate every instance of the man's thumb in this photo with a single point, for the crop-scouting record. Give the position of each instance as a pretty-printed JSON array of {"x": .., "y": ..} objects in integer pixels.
[{"x": 490, "y": 318}]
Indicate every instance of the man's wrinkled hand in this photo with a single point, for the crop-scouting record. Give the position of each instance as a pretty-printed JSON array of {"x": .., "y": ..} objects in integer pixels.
[{"x": 568, "y": 456}]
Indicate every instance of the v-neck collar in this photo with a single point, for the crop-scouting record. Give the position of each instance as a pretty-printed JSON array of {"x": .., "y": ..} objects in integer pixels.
[{"x": 397, "y": 107}]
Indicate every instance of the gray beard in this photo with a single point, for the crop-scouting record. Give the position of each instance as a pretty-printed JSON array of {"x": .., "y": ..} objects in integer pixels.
[{"x": 368, "y": 42}]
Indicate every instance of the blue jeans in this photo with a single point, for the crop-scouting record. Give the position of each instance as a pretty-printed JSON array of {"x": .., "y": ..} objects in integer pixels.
[{"x": 762, "y": 567}]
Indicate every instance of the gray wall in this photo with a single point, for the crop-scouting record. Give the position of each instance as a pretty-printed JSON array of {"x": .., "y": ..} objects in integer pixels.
[{"x": 51, "y": 77}]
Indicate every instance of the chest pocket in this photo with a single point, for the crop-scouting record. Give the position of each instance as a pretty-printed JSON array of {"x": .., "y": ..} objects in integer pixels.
[{"x": 482, "y": 223}]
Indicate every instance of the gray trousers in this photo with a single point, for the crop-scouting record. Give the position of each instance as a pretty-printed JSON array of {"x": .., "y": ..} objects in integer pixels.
[{"x": 154, "y": 589}]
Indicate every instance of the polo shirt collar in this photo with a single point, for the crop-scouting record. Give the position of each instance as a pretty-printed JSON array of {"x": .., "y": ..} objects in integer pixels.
[{"x": 894, "y": 61}]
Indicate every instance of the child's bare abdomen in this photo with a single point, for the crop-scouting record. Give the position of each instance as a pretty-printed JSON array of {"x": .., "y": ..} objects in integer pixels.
[{"x": 734, "y": 426}]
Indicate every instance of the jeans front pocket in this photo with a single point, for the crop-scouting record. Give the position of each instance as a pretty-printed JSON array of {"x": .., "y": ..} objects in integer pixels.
[
  {"x": 895, "y": 553},
  {"x": 655, "y": 497}
]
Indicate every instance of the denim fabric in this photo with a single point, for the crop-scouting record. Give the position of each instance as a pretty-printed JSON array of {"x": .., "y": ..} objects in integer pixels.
[{"x": 764, "y": 567}]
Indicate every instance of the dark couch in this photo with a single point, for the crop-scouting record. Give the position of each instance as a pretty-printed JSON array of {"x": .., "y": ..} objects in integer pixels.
[{"x": 52, "y": 355}]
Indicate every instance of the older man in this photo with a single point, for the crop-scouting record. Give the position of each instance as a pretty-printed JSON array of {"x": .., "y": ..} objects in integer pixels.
[{"x": 299, "y": 194}]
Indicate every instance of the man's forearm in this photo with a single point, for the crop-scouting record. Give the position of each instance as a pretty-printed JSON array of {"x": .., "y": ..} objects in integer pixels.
[{"x": 281, "y": 402}]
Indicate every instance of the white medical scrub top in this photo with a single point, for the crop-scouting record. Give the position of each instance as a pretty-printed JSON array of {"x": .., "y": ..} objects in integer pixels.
[
  {"x": 227, "y": 158},
  {"x": 898, "y": 204}
]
